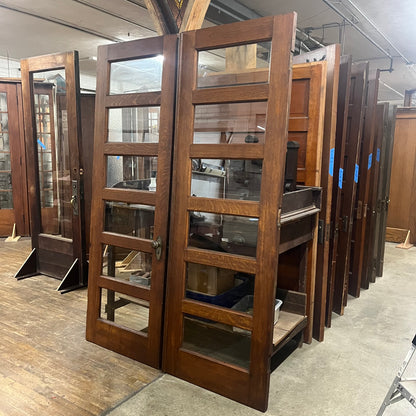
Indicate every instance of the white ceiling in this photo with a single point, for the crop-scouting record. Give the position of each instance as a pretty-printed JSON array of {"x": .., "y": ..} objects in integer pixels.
[{"x": 29, "y": 28}]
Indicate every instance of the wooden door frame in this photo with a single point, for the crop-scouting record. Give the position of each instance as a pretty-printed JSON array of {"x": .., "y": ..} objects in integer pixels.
[
  {"x": 76, "y": 275},
  {"x": 249, "y": 387},
  {"x": 131, "y": 343}
]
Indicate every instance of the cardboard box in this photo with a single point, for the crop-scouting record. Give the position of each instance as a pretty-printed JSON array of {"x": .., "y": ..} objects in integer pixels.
[{"x": 208, "y": 279}]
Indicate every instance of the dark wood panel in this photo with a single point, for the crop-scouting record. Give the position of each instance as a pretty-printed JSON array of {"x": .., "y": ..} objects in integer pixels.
[
  {"x": 363, "y": 188},
  {"x": 223, "y": 206},
  {"x": 340, "y": 183},
  {"x": 359, "y": 74},
  {"x": 368, "y": 270}
]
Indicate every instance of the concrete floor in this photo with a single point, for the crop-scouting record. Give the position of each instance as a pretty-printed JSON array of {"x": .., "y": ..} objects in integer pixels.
[{"x": 347, "y": 374}]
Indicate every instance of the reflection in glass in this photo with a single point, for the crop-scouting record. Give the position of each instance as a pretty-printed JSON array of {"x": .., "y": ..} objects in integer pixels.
[
  {"x": 132, "y": 172},
  {"x": 228, "y": 179},
  {"x": 6, "y": 196},
  {"x": 224, "y": 233},
  {"x": 127, "y": 265},
  {"x": 236, "y": 65},
  {"x": 129, "y": 219},
  {"x": 235, "y": 123},
  {"x": 136, "y": 76},
  {"x": 3, "y": 102},
  {"x": 124, "y": 310},
  {"x": 218, "y": 341},
  {"x": 134, "y": 124},
  {"x": 53, "y": 153}
]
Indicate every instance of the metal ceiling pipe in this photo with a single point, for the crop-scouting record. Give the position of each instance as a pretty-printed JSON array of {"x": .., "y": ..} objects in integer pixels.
[
  {"x": 372, "y": 41},
  {"x": 379, "y": 32}
]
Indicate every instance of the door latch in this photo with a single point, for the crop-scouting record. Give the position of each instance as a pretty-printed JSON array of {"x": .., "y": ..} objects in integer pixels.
[
  {"x": 74, "y": 198},
  {"x": 157, "y": 245}
]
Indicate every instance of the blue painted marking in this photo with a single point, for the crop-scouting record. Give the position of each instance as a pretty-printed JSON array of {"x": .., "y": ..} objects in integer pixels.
[
  {"x": 41, "y": 145},
  {"x": 370, "y": 160},
  {"x": 378, "y": 155},
  {"x": 357, "y": 169},
  {"x": 331, "y": 161},
  {"x": 341, "y": 176},
  {"x": 118, "y": 157}
]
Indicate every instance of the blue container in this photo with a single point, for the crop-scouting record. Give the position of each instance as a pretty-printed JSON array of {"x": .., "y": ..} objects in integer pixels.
[{"x": 226, "y": 299}]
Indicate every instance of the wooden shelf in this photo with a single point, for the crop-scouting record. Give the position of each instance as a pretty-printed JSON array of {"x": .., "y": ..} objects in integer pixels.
[{"x": 287, "y": 327}]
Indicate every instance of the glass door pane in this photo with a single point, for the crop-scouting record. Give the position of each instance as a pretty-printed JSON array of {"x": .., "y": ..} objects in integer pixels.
[
  {"x": 6, "y": 196},
  {"x": 53, "y": 153}
]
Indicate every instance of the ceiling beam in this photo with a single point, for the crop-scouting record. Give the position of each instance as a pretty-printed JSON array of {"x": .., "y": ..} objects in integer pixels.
[{"x": 174, "y": 16}]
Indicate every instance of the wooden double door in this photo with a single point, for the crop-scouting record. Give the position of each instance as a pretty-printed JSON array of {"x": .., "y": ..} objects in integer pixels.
[{"x": 158, "y": 261}]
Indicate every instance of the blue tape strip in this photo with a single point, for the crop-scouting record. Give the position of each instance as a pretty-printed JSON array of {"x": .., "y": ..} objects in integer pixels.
[
  {"x": 41, "y": 145},
  {"x": 331, "y": 161},
  {"x": 357, "y": 170},
  {"x": 378, "y": 155},
  {"x": 340, "y": 178},
  {"x": 370, "y": 160}
]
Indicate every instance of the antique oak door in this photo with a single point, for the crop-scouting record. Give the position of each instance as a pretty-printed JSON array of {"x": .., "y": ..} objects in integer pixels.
[
  {"x": 54, "y": 173},
  {"x": 227, "y": 191},
  {"x": 131, "y": 191},
  {"x": 13, "y": 190}
]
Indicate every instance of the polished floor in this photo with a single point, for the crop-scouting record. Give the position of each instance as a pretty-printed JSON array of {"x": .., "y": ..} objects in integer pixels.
[{"x": 347, "y": 374}]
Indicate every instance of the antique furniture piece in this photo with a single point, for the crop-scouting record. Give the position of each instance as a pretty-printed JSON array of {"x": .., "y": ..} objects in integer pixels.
[{"x": 50, "y": 87}]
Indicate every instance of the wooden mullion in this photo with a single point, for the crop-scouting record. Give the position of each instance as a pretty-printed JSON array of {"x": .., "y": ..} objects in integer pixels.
[
  {"x": 132, "y": 243},
  {"x": 129, "y": 196},
  {"x": 224, "y": 206},
  {"x": 234, "y": 94},
  {"x": 243, "y": 32},
  {"x": 226, "y": 151},
  {"x": 131, "y": 149},
  {"x": 217, "y": 314},
  {"x": 147, "y": 99},
  {"x": 111, "y": 283},
  {"x": 218, "y": 259},
  {"x": 143, "y": 48}
]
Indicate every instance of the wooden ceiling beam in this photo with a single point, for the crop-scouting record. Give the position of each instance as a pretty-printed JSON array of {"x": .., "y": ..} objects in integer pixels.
[{"x": 174, "y": 16}]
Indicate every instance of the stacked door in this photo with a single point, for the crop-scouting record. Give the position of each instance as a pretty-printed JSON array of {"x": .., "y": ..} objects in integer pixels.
[
  {"x": 132, "y": 165},
  {"x": 230, "y": 147},
  {"x": 350, "y": 166}
]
